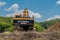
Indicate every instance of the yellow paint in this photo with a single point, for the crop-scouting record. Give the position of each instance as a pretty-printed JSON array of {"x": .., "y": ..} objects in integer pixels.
[{"x": 23, "y": 19}]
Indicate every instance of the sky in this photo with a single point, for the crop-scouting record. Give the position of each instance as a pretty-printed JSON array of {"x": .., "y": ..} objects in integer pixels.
[{"x": 43, "y": 10}]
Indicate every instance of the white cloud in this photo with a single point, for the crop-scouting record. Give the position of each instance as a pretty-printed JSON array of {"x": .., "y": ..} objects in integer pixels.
[
  {"x": 58, "y": 2},
  {"x": 36, "y": 15},
  {"x": 55, "y": 17},
  {"x": 14, "y": 7},
  {"x": 15, "y": 10},
  {"x": 14, "y": 13},
  {"x": 2, "y": 3}
]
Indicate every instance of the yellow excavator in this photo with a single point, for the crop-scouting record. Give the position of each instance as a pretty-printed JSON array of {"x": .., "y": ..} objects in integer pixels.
[{"x": 23, "y": 22}]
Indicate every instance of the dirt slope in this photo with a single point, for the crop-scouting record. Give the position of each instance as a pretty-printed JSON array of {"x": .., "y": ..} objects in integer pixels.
[{"x": 55, "y": 27}]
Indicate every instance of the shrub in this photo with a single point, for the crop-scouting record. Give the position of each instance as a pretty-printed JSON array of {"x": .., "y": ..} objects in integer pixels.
[{"x": 38, "y": 27}]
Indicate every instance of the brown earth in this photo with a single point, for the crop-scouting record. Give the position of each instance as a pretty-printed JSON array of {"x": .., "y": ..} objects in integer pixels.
[
  {"x": 55, "y": 27},
  {"x": 52, "y": 33}
]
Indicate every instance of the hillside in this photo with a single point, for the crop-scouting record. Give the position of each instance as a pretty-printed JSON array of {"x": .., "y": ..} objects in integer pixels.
[
  {"x": 54, "y": 27},
  {"x": 51, "y": 33}
]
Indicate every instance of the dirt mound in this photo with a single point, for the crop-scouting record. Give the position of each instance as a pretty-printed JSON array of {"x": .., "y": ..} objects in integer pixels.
[
  {"x": 55, "y": 27},
  {"x": 30, "y": 35}
]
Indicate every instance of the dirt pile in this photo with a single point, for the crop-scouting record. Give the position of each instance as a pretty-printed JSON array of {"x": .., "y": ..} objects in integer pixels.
[
  {"x": 55, "y": 27},
  {"x": 30, "y": 35}
]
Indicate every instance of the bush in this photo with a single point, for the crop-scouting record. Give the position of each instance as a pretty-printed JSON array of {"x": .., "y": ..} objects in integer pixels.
[
  {"x": 11, "y": 28},
  {"x": 38, "y": 27},
  {"x": 6, "y": 24}
]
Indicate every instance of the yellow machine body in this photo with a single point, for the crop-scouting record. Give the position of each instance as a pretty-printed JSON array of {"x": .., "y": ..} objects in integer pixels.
[{"x": 23, "y": 21}]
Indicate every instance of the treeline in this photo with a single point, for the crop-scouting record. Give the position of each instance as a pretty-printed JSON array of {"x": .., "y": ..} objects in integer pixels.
[
  {"x": 49, "y": 23},
  {"x": 6, "y": 24}
]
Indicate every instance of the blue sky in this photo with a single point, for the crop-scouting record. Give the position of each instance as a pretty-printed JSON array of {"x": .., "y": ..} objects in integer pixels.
[{"x": 45, "y": 9}]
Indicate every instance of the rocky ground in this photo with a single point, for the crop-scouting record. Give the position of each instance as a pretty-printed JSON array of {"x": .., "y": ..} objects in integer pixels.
[{"x": 30, "y": 35}]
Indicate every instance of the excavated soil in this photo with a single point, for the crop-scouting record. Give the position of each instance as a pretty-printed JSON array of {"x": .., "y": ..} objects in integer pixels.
[
  {"x": 55, "y": 27},
  {"x": 30, "y": 35},
  {"x": 52, "y": 33}
]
